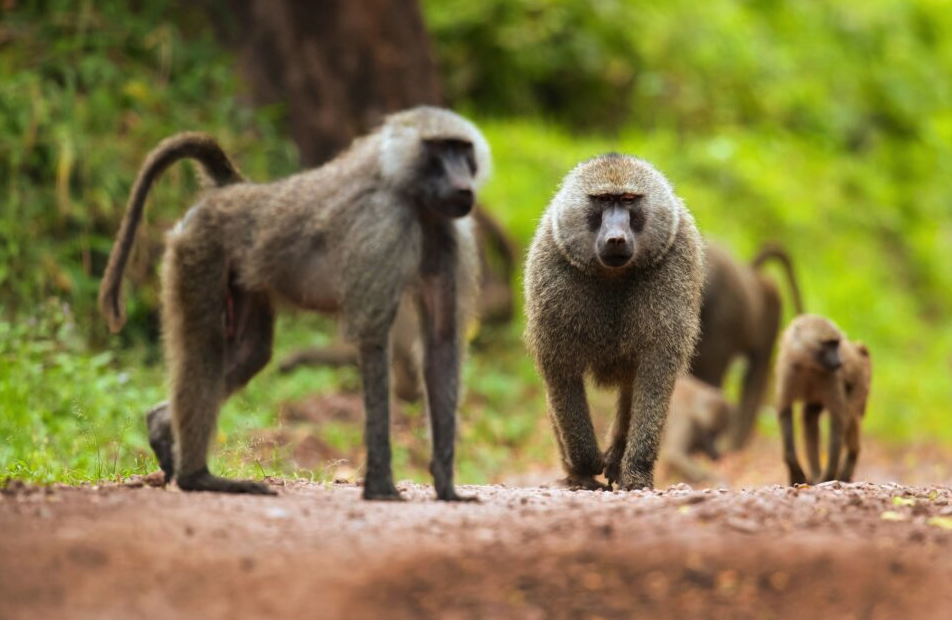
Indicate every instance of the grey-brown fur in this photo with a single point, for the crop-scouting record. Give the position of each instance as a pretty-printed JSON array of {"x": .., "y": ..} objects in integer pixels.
[
  {"x": 740, "y": 317},
  {"x": 698, "y": 414},
  {"x": 819, "y": 367},
  {"x": 631, "y": 326},
  {"x": 382, "y": 224},
  {"x": 495, "y": 304}
]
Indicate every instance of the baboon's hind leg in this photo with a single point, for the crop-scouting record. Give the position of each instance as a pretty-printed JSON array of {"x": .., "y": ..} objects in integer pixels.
[
  {"x": 195, "y": 338},
  {"x": 249, "y": 350}
]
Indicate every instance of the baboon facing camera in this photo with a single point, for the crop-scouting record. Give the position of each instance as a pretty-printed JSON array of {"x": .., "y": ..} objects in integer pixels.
[
  {"x": 384, "y": 222},
  {"x": 613, "y": 291},
  {"x": 819, "y": 367}
]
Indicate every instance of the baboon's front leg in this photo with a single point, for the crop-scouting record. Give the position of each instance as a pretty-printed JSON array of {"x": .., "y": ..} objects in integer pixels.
[
  {"x": 834, "y": 451},
  {"x": 852, "y": 450},
  {"x": 568, "y": 409},
  {"x": 441, "y": 369},
  {"x": 619, "y": 433},
  {"x": 375, "y": 372},
  {"x": 811, "y": 436},
  {"x": 789, "y": 447},
  {"x": 654, "y": 383}
]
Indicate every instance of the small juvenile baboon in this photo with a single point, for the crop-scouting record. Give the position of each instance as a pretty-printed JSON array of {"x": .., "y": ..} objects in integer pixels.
[
  {"x": 819, "y": 367},
  {"x": 494, "y": 303},
  {"x": 384, "y": 223},
  {"x": 697, "y": 415},
  {"x": 740, "y": 316},
  {"x": 613, "y": 290}
]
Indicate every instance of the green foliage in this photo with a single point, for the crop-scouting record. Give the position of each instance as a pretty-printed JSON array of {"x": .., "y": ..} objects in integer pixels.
[
  {"x": 63, "y": 417},
  {"x": 86, "y": 90},
  {"x": 882, "y": 276},
  {"x": 846, "y": 73},
  {"x": 826, "y": 126}
]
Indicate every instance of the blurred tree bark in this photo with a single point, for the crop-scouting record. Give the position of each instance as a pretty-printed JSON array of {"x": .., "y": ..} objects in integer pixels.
[{"x": 337, "y": 65}]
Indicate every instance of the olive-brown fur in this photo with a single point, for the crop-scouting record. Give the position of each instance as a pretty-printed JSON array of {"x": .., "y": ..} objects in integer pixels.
[
  {"x": 631, "y": 327},
  {"x": 842, "y": 390}
]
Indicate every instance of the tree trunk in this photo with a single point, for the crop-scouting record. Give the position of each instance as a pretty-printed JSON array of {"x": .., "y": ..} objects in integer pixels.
[{"x": 337, "y": 65}]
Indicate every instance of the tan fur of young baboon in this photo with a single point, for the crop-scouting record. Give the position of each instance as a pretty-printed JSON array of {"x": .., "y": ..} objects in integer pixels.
[
  {"x": 495, "y": 299},
  {"x": 818, "y": 367},
  {"x": 740, "y": 316},
  {"x": 696, "y": 417},
  {"x": 613, "y": 291},
  {"x": 382, "y": 224}
]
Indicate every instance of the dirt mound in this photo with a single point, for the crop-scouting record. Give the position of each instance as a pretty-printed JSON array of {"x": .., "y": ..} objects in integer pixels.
[
  {"x": 671, "y": 579},
  {"x": 833, "y": 551}
]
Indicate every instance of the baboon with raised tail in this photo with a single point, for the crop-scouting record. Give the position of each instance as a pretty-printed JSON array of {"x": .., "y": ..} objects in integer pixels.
[{"x": 384, "y": 223}]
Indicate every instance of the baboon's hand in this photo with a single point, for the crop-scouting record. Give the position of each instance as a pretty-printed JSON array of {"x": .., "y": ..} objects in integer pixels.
[
  {"x": 797, "y": 476},
  {"x": 613, "y": 464},
  {"x": 202, "y": 480},
  {"x": 636, "y": 481},
  {"x": 381, "y": 490}
]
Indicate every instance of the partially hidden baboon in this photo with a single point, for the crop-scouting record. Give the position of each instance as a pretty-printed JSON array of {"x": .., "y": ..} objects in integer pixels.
[
  {"x": 819, "y": 367},
  {"x": 384, "y": 223},
  {"x": 497, "y": 259},
  {"x": 698, "y": 414},
  {"x": 613, "y": 290},
  {"x": 740, "y": 316}
]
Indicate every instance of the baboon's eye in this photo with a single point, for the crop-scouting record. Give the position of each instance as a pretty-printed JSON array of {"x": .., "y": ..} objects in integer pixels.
[
  {"x": 831, "y": 343},
  {"x": 630, "y": 199}
]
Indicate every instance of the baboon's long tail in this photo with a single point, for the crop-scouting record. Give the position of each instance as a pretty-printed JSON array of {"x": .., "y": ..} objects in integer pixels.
[
  {"x": 215, "y": 164},
  {"x": 774, "y": 251}
]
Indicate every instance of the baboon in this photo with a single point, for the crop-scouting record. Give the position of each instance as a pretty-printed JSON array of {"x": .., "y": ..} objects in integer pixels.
[
  {"x": 697, "y": 415},
  {"x": 384, "y": 223},
  {"x": 497, "y": 259},
  {"x": 613, "y": 290},
  {"x": 740, "y": 316},
  {"x": 819, "y": 367}
]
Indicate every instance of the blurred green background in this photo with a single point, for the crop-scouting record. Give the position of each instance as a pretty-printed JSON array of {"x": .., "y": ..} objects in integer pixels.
[{"x": 826, "y": 126}]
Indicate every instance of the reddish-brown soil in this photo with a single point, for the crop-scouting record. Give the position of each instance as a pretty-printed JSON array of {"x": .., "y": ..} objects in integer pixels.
[{"x": 833, "y": 551}]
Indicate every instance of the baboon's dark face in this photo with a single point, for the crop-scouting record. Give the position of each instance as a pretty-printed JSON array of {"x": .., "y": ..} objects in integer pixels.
[
  {"x": 828, "y": 355},
  {"x": 448, "y": 174},
  {"x": 617, "y": 219}
]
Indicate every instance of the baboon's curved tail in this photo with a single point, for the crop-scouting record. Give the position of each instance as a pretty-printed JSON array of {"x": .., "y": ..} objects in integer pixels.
[
  {"x": 215, "y": 165},
  {"x": 774, "y": 251}
]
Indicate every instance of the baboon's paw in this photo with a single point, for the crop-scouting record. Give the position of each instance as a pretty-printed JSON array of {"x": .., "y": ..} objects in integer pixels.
[
  {"x": 453, "y": 496},
  {"x": 383, "y": 491},
  {"x": 583, "y": 483},
  {"x": 204, "y": 481},
  {"x": 636, "y": 481}
]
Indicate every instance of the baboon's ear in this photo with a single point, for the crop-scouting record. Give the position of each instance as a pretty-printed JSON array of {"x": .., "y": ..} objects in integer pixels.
[{"x": 861, "y": 348}]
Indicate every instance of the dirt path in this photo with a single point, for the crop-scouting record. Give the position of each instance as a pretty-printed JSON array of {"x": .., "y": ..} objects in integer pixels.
[{"x": 833, "y": 551}]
